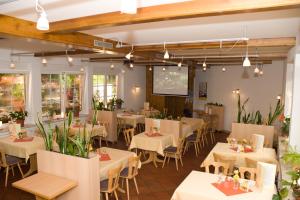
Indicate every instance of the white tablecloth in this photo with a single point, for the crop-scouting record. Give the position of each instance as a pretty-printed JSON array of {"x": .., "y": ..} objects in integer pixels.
[
  {"x": 265, "y": 155},
  {"x": 118, "y": 157},
  {"x": 132, "y": 119},
  {"x": 149, "y": 113},
  {"x": 157, "y": 144},
  {"x": 98, "y": 130},
  {"x": 21, "y": 149},
  {"x": 197, "y": 186}
]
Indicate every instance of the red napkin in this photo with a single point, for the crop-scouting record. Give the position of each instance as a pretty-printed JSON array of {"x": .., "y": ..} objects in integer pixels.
[
  {"x": 153, "y": 134},
  {"x": 26, "y": 139},
  {"x": 246, "y": 150},
  {"x": 104, "y": 157},
  {"x": 227, "y": 188}
]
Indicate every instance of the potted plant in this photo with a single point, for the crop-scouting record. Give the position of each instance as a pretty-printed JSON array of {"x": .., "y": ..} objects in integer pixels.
[
  {"x": 4, "y": 117},
  {"x": 119, "y": 103},
  {"x": 293, "y": 159},
  {"x": 19, "y": 116}
]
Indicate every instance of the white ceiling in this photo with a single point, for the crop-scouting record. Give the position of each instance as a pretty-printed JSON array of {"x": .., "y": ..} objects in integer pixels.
[
  {"x": 66, "y": 9},
  {"x": 271, "y": 24}
]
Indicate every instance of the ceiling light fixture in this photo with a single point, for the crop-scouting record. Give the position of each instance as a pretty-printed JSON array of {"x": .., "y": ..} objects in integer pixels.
[
  {"x": 129, "y": 6},
  {"x": 150, "y": 68},
  {"x": 204, "y": 63},
  {"x": 247, "y": 62},
  {"x": 180, "y": 63},
  {"x": 112, "y": 66},
  {"x": 82, "y": 69},
  {"x": 204, "y": 69},
  {"x": 42, "y": 22},
  {"x": 164, "y": 69},
  {"x": 166, "y": 55},
  {"x": 131, "y": 65},
  {"x": 261, "y": 72},
  {"x": 69, "y": 58},
  {"x": 129, "y": 55},
  {"x": 223, "y": 69},
  {"x": 44, "y": 61},
  {"x": 256, "y": 70},
  {"x": 12, "y": 65}
]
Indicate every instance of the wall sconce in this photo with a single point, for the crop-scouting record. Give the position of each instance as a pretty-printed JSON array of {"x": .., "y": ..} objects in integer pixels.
[
  {"x": 236, "y": 91},
  {"x": 136, "y": 89},
  {"x": 278, "y": 97}
]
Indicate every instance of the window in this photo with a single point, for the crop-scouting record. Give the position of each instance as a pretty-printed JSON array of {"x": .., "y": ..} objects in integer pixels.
[
  {"x": 51, "y": 93},
  {"x": 12, "y": 92},
  {"x": 62, "y": 92},
  {"x": 73, "y": 92},
  {"x": 105, "y": 87}
]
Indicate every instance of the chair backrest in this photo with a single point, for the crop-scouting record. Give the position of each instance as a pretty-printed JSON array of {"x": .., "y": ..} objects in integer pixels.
[
  {"x": 113, "y": 178},
  {"x": 180, "y": 145},
  {"x": 133, "y": 165},
  {"x": 251, "y": 163},
  {"x": 217, "y": 166},
  {"x": 248, "y": 170},
  {"x": 129, "y": 133},
  {"x": 3, "y": 162}
]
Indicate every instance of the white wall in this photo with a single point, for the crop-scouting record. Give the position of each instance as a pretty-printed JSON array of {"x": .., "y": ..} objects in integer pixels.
[
  {"x": 34, "y": 68},
  {"x": 262, "y": 91}
]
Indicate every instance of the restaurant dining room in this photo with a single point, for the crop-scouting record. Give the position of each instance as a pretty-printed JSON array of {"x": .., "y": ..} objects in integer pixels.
[{"x": 149, "y": 100}]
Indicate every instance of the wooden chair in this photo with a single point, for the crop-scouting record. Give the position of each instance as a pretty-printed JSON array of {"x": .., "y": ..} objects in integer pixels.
[
  {"x": 131, "y": 172},
  {"x": 9, "y": 162},
  {"x": 249, "y": 173},
  {"x": 128, "y": 135},
  {"x": 212, "y": 128},
  {"x": 205, "y": 133},
  {"x": 217, "y": 166},
  {"x": 174, "y": 152},
  {"x": 196, "y": 140},
  {"x": 230, "y": 160},
  {"x": 110, "y": 185}
]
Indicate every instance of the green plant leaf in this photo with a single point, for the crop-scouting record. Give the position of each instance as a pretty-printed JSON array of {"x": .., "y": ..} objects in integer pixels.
[{"x": 284, "y": 192}]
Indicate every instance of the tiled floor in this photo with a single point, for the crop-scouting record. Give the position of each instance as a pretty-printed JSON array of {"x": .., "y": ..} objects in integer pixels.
[{"x": 154, "y": 183}]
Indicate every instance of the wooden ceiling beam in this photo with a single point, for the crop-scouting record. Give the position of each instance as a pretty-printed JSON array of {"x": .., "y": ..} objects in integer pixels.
[
  {"x": 252, "y": 43},
  {"x": 182, "y": 10}
]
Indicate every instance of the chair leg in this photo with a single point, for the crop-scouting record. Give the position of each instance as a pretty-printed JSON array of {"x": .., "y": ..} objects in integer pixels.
[
  {"x": 127, "y": 188},
  {"x": 164, "y": 161},
  {"x": 136, "y": 186},
  {"x": 6, "y": 176},
  {"x": 176, "y": 162},
  {"x": 116, "y": 195},
  {"x": 180, "y": 158},
  {"x": 106, "y": 196},
  {"x": 186, "y": 147},
  {"x": 169, "y": 159},
  {"x": 13, "y": 170},
  {"x": 100, "y": 141},
  {"x": 106, "y": 142},
  {"x": 196, "y": 149},
  {"x": 20, "y": 170}
]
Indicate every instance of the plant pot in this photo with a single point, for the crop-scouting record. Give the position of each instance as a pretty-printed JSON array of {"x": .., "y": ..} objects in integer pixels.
[
  {"x": 20, "y": 121},
  {"x": 296, "y": 193},
  {"x": 119, "y": 105}
]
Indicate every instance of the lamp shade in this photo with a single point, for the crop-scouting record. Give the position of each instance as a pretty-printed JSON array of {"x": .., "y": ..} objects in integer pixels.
[
  {"x": 166, "y": 56},
  {"x": 129, "y": 6},
  {"x": 42, "y": 23},
  {"x": 246, "y": 62}
]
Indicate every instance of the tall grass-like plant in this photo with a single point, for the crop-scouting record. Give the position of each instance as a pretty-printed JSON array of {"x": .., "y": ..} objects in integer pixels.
[
  {"x": 62, "y": 134},
  {"x": 241, "y": 108},
  {"x": 277, "y": 112},
  {"x": 46, "y": 134}
]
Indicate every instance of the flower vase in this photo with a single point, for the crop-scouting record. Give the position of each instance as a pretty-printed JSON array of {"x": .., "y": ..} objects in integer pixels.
[{"x": 20, "y": 121}]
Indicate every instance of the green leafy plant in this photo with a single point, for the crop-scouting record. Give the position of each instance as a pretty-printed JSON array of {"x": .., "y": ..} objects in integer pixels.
[
  {"x": 215, "y": 104},
  {"x": 46, "y": 134},
  {"x": 18, "y": 115},
  {"x": 62, "y": 134},
  {"x": 285, "y": 128},
  {"x": 241, "y": 108},
  {"x": 292, "y": 157},
  {"x": 272, "y": 116}
]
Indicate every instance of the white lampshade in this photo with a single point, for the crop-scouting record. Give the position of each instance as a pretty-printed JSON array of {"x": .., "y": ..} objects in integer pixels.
[
  {"x": 204, "y": 64},
  {"x": 70, "y": 59},
  {"x": 42, "y": 23},
  {"x": 256, "y": 70},
  {"x": 131, "y": 65},
  {"x": 179, "y": 64},
  {"x": 224, "y": 69},
  {"x": 112, "y": 66},
  {"x": 246, "y": 62},
  {"x": 128, "y": 56},
  {"x": 129, "y": 6},
  {"x": 12, "y": 65},
  {"x": 166, "y": 56},
  {"x": 44, "y": 61}
]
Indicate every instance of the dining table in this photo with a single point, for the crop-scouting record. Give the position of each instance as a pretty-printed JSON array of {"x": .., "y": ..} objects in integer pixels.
[
  {"x": 263, "y": 155},
  {"x": 113, "y": 158},
  {"x": 205, "y": 186},
  {"x": 153, "y": 144},
  {"x": 98, "y": 130},
  {"x": 131, "y": 119},
  {"x": 26, "y": 149}
]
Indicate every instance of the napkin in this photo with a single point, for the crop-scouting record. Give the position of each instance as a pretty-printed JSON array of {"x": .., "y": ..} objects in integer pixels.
[
  {"x": 104, "y": 157},
  {"x": 227, "y": 188},
  {"x": 258, "y": 141},
  {"x": 265, "y": 175},
  {"x": 25, "y": 139}
]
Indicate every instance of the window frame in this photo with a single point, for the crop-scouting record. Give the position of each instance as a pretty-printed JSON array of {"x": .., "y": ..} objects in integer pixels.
[{"x": 105, "y": 98}]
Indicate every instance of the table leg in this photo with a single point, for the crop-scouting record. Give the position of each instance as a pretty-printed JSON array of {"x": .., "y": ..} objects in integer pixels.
[
  {"x": 152, "y": 158},
  {"x": 33, "y": 165}
]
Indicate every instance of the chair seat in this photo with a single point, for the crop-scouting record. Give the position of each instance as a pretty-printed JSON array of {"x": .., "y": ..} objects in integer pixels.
[
  {"x": 104, "y": 185},
  {"x": 12, "y": 160},
  {"x": 191, "y": 138},
  {"x": 124, "y": 172},
  {"x": 170, "y": 149}
]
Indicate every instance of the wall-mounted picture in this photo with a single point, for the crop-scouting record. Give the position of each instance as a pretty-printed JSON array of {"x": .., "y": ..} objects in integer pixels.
[{"x": 203, "y": 90}]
